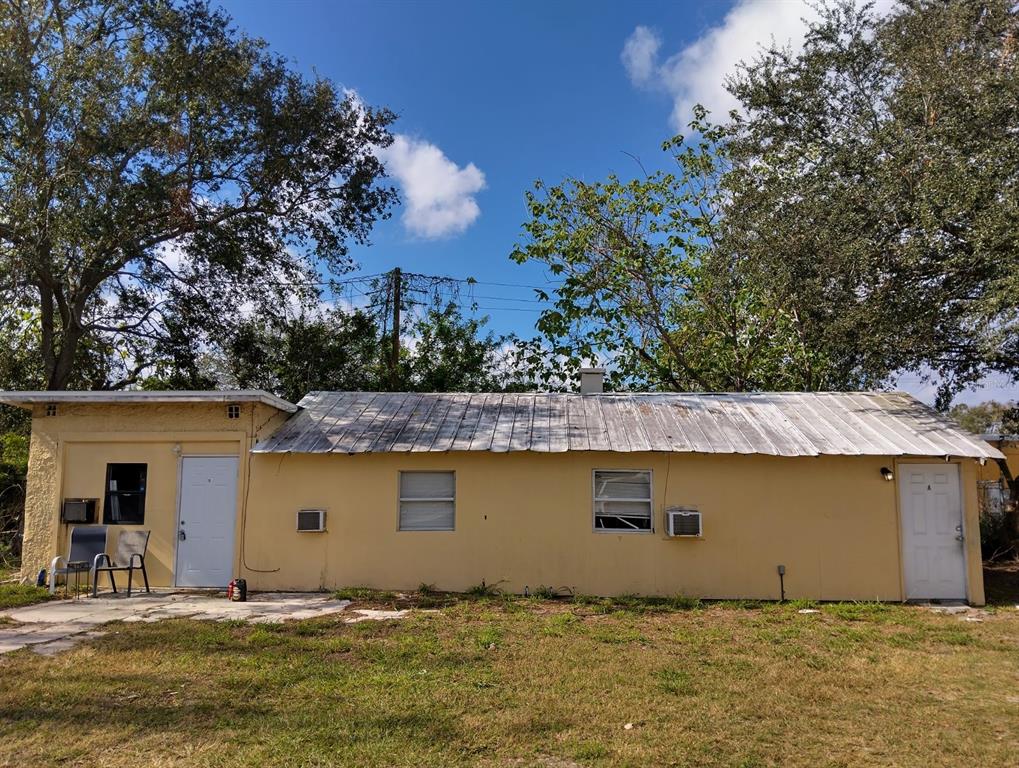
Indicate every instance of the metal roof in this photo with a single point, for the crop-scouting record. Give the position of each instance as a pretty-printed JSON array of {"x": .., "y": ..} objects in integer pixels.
[
  {"x": 773, "y": 423},
  {"x": 131, "y": 397}
]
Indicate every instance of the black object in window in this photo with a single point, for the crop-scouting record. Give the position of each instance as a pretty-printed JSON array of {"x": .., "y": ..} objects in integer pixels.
[{"x": 125, "y": 494}]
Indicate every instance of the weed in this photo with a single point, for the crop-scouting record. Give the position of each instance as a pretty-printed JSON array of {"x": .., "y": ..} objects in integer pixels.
[
  {"x": 426, "y": 589},
  {"x": 484, "y": 590},
  {"x": 364, "y": 594}
]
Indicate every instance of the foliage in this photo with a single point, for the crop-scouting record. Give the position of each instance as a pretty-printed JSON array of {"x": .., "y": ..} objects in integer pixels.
[
  {"x": 648, "y": 284},
  {"x": 451, "y": 353},
  {"x": 337, "y": 350},
  {"x": 20, "y": 595},
  {"x": 856, "y": 219},
  {"x": 874, "y": 176},
  {"x": 13, "y": 471},
  {"x": 162, "y": 170},
  {"x": 292, "y": 357},
  {"x": 990, "y": 417}
]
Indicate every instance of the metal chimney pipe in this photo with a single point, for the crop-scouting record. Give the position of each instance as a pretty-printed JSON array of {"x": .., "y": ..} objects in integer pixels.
[{"x": 592, "y": 381}]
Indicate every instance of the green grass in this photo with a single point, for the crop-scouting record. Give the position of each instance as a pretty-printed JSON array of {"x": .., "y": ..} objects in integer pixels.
[
  {"x": 499, "y": 681},
  {"x": 19, "y": 595},
  {"x": 14, "y": 595}
]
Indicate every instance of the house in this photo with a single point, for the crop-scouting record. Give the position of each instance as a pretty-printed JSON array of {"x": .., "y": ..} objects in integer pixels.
[
  {"x": 992, "y": 485},
  {"x": 831, "y": 496}
]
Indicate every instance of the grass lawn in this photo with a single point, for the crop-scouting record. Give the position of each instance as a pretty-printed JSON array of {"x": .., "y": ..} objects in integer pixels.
[
  {"x": 517, "y": 682},
  {"x": 14, "y": 595}
]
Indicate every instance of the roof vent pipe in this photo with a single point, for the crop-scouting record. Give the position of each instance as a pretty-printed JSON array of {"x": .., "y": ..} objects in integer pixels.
[{"x": 592, "y": 381}]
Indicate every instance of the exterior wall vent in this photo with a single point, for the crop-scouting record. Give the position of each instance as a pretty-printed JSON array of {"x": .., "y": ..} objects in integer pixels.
[
  {"x": 311, "y": 520},
  {"x": 51, "y": 409},
  {"x": 233, "y": 411},
  {"x": 683, "y": 523}
]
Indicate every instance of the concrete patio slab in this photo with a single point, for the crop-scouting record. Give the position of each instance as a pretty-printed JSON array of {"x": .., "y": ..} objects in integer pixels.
[{"x": 52, "y": 627}]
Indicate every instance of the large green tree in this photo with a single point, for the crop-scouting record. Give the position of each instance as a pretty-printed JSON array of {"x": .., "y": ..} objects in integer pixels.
[
  {"x": 159, "y": 170},
  {"x": 876, "y": 175},
  {"x": 857, "y": 218},
  {"x": 649, "y": 281}
]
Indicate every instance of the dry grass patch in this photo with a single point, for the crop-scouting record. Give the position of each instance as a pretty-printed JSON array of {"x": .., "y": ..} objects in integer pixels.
[{"x": 517, "y": 682}]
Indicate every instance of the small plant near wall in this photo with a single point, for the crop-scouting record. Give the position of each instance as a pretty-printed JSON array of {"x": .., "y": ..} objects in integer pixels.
[
  {"x": 484, "y": 590},
  {"x": 426, "y": 589}
]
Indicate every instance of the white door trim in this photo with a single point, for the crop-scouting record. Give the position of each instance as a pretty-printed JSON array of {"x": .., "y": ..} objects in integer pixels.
[
  {"x": 901, "y": 467},
  {"x": 180, "y": 498}
]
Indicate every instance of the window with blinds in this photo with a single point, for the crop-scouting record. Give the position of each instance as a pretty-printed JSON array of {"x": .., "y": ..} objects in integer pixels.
[
  {"x": 622, "y": 500},
  {"x": 427, "y": 501}
]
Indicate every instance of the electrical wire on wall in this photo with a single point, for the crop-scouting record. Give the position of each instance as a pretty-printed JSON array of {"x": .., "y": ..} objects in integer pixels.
[{"x": 244, "y": 499}]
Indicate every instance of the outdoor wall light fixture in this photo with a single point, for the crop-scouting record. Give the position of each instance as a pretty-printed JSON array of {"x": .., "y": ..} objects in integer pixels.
[{"x": 887, "y": 474}]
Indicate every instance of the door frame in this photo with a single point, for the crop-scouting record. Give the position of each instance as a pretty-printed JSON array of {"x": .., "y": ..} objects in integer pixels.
[
  {"x": 180, "y": 498},
  {"x": 898, "y": 464}
]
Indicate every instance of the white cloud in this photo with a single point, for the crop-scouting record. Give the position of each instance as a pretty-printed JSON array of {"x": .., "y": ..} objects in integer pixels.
[
  {"x": 696, "y": 74},
  {"x": 438, "y": 195},
  {"x": 640, "y": 54}
]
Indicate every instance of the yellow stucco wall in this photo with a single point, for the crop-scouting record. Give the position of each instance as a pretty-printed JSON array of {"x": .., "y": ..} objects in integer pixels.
[
  {"x": 991, "y": 471},
  {"x": 526, "y": 520},
  {"x": 68, "y": 457},
  {"x": 522, "y": 519}
]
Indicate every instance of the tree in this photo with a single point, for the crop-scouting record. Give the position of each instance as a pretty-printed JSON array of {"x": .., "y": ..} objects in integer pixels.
[
  {"x": 649, "y": 281},
  {"x": 442, "y": 351},
  {"x": 874, "y": 173},
  {"x": 331, "y": 351},
  {"x": 159, "y": 170},
  {"x": 451, "y": 353},
  {"x": 990, "y": 417}
]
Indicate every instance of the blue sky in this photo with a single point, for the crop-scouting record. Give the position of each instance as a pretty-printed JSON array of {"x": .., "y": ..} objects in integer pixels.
[{"x": 494, "y": 95}]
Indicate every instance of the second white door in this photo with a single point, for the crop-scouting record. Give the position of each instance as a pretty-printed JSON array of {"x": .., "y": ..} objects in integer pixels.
[{"x": 206, "y": 521}]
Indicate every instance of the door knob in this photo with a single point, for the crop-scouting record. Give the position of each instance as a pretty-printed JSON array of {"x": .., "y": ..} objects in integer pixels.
[{"x": 181, "y": 535}]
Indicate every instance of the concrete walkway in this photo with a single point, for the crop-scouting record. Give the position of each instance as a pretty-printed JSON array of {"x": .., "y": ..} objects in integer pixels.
[{"x": 58, "y": 625}]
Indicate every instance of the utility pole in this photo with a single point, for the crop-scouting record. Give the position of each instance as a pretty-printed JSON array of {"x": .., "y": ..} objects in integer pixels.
[{"x": 394, "y": 360}]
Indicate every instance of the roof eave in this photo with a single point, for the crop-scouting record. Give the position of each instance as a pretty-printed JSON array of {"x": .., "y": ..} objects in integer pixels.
[{"x": 27, "y": 399}]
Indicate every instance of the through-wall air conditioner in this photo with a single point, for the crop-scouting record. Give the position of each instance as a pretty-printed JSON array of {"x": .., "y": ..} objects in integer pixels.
[
  {"x": 683, "y": 523},
  {"x": 311, "y": 520},
  {"x": 78, "y": 511}
]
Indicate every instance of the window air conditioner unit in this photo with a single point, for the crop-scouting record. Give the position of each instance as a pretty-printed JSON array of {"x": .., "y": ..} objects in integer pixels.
[
  {"x": 78, "y": 511},
  {"x": 683, "y": 522},
  {"x": 311, "y": 520}
]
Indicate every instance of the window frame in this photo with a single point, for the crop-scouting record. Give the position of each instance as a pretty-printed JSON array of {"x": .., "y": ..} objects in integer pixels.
[
  {"x": 143, "y": 494},
  {"x": 595, "y": 499},
  {"x": 400, "y": 499}
]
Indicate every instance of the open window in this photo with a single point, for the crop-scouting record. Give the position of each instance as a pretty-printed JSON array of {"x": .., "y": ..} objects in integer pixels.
[
  {"x": 125, "y": 494},
  {"x": 427, "y": 501},
  {"x": 622, "y": 500}
]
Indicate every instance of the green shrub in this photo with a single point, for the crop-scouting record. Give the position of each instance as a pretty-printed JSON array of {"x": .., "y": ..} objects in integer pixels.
[{"x": 484, "y": 590}]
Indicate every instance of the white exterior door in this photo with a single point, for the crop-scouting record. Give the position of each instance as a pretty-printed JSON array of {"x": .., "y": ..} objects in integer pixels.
[
  {"x": 206, "y": 521},
  {"x": 933, "y": 549}
]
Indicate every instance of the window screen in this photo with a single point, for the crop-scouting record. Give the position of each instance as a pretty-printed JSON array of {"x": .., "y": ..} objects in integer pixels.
[
  {"x": 427, "y": 501},
  {"x": 125, "y": 494},
  {"x": 622, "y": 500}
]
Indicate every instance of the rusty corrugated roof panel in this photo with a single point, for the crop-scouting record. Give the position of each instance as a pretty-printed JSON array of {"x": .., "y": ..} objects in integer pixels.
[{"x": 771, "y": 423}]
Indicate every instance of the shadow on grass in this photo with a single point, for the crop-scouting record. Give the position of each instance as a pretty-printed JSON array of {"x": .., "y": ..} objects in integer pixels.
[{"x": 1001, "y": 583}]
